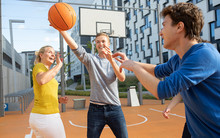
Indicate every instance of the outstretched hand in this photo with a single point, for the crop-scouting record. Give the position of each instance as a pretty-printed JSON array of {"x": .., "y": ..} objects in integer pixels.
[
  {"x": 58, "y": 59},
  {"x": 120, "y": 54},
  {"x": 166, "y": 113},
  {"x": 108, "y": 54},
  {"x": 125, "y": 62},
  {"x": 63, "y": 100}
]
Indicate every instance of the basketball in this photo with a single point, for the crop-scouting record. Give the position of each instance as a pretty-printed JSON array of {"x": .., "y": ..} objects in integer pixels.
[{"x": 62, "y": 16}]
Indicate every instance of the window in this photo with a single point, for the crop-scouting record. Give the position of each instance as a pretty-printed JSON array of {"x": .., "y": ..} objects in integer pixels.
[
  {"x": 210, "y": 5},
  {"x": 137, "y": 48},
  {"x": 121, "y": 43},
  {"x": 148, "y": 60},
  {"x": 7, "y": 58},
  {"x": 157, "y": 48},
  {"x": 148, "y": 3},
  {"x": 142, "y": 29},
  {"x": 128, "y": 32},
  {"x": 135, "y": 12},
  {"x": 128, "y": 16},
  {"x": 198, "y": 1},
  {"x": 119, "y": 4},
  {"x": 156, "y": 20},
  {"x": 146, "y": 21},
  {"x": 136, "y": 31},
  {"x": 130, "y": 52},
  {"x": 150, "y": 46},
  {"x": 192, "y": 1},
  {"x": 212, "y": 31},
  {"x": 218, "y": 18},
  {"x": 127, "y": 52},
  {"x": 165, "y": 57},
  {"x": 141, "y": 8},
  {"x": 126, "y": 1},
  {"x": 105, "y": 4},
  {"x": 143, "y": 48},
  {"x": 110, "y": 3},
  {"x": 18, "y": 66}
]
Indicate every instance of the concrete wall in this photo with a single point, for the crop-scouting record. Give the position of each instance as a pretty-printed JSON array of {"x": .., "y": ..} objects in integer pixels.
[{"x": 22, "y": 81}]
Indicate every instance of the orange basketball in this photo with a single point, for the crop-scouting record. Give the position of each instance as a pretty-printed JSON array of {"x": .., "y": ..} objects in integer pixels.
[{"x": 62, "y": 16}]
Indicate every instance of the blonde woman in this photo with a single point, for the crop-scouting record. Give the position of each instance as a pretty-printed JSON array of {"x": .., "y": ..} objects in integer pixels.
[{"x": 45, "y": 119}]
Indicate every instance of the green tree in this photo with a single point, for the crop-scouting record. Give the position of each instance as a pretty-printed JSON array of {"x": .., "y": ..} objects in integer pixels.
[{"x": 89, "y": 45}]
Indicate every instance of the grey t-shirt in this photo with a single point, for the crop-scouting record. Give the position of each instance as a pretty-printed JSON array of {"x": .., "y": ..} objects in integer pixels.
[{"x": 103, "y": 81}]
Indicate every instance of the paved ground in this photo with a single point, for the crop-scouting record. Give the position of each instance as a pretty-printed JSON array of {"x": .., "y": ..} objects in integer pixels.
[{"x": 145, "y": 121}]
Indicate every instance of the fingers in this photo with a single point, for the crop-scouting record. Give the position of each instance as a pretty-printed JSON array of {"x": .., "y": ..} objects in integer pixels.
[
  {"x": 118, "y": 59},
  {"x": 122, "y": 55},
  {"x": 108, "y": 50},
  {"x": 120, "y": 69},
  {"x": 63, "y": 100},
  {"x": 117, "y": 54},
  {"x": 166, "y": 113},
  {"x": 58, "y": 55}
]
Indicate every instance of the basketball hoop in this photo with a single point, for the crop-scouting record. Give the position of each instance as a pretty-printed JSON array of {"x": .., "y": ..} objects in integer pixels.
[{"x": 107, "y": 31}]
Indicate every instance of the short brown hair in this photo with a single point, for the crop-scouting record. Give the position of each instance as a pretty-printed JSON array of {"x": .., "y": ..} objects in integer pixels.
[
  {"x": 189, "y": 14},
  {"x": 103, "y": 34}
]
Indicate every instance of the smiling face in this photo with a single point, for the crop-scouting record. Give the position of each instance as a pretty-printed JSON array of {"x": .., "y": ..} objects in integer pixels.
[
  {"x": 48, "y": 57},
  {"x": 102, "y": 41}
]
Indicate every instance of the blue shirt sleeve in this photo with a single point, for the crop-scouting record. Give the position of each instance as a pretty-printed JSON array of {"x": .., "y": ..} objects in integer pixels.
[
  {"x": 196, "y": 65},
  {"x": 165, "y": 69}
]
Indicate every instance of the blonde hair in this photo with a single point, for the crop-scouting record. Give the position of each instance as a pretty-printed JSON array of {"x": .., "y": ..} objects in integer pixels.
[{"x": 37, "y": 54}]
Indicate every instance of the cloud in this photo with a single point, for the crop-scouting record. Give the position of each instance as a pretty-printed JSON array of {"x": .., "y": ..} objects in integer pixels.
[
  {"x": 21, "y": 26},
  {"x": 51, "y": 39}
]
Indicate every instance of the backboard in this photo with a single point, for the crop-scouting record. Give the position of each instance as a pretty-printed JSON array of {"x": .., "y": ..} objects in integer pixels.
[{"x": 93, "y": 21}]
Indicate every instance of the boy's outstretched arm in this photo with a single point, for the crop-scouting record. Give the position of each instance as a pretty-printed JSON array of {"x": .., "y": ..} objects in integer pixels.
[
  {"x": 149, "y": 81},
  {"x": 69, "y": 40},
  {"x": 177, "y": 99}
]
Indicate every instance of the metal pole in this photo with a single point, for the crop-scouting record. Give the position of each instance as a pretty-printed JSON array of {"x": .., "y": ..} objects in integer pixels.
[
  {"x": 114, "y": 39},
  {"x": 28, "y": 67},
  {"x": 13, "y": 54},
  {"x": 140, "y": 95},
  {"x": 160, "y": 41},
  {"x": 82, "y": 4},
  {"x": 2, "y": 111},
  {"x": 13, "y": 50},
  {"x": 83, "y": 81},
  {"x": 62, "y": 71},
  {"x": 93, "y": 47}
]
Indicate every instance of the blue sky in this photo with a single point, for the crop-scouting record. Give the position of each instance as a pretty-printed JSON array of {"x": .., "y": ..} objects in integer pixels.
[{"x": 35, "y": 32}]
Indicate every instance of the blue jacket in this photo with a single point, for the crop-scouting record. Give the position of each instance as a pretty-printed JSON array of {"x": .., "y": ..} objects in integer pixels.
[{"x": 197, "y": 77}]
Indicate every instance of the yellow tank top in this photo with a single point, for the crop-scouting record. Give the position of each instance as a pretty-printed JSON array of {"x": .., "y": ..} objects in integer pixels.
[{"x": 46, "y": 95}]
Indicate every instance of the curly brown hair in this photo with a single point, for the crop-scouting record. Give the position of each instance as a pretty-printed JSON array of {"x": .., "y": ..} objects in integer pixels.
[{"x": 189, "y": 14}]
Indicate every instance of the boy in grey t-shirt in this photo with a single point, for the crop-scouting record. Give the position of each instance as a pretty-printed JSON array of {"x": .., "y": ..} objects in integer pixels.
[{"x": 105, "y": 106}]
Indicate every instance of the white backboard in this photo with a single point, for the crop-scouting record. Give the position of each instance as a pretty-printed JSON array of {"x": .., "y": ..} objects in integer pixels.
[{"x": 93, "y": 21}]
